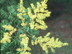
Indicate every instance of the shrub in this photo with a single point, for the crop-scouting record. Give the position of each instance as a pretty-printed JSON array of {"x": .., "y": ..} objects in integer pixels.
[{"x": 20, "y": 30}]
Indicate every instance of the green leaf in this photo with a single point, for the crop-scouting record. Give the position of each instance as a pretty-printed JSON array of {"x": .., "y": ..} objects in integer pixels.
[
  {"x": 11, "y": 9},
  {"x": 14, "y": 14},
  {"x": 10, "y": 17},
  {"x": 35, "y": 32},
  {"x": 22, "y": 31},
  {"x": 4, "y": 22},
  {"x": 8, "y": 53},
  {"x": 27, "y": 28}
]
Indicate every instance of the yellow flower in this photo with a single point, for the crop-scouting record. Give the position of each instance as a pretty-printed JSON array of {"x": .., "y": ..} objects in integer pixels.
[
  {"x": 47, "y": 34},
  {"x": 3, "y": 41},
  {"x": 48, "y": 14},
  {"x": 28, "y": 48},
  {"x": 46, "y": 51},
  {"x": 36, "y": 10},
  {"x": 25, "y": 41},
  {"x": 23, "y": 24},
  {"x": 36, "y": 41},
  {"x": 22, "y": 42},
  {"x": 42, "y": 27},
  {"x": 52, "y": 50},
  {"x": 40, "y": 21},
  {"x": 11, "y": 32},
  {"x": 21, "y": 18},
  {"x": 32, "y": 42},
  {"x": 29, "y": 12},
  {"x": 27, "y": 53},
  {"x": 18, "y": 9},
  {"x": 9, "y": 27},
  {"x": 65, "y": 44},
  {"x": 32, "y": 5},
  {"x": 33, "y": 17},
  {"x": 38, "y": 5},
  {"x": 32, "y": 25},
  {"x": 22, "y": 35},
  {"x": 41, "y": 9},
  {"x": 6, "y": 38},
  {"x": 14, "y": 29},
  {"x": 21, "y": 1},
  {"x": 22, "y": 52},
  {"x": 19, "y": 49},
  {"x": 44, "y": 5}
]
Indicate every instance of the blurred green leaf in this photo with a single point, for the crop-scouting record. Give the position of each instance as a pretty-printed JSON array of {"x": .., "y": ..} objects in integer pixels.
[{"x": 11, "y": 9}]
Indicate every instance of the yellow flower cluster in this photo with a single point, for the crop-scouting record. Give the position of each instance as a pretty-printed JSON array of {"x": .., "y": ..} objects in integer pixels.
[
  {"x": 5, "y": 38},
  {"x": 48, "y": 42},
  {"x": 7, "y": 35},
  {"x": 22, "y": 13},
  {"x": 9, "y": 27},
  {"x": 40, "y": 13},
  {"x": 24, "y": 43},
  {"x": 25, "y": 39}
]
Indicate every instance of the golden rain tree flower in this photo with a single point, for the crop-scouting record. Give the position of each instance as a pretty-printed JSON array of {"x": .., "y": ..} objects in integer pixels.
[
  {"x": 19, "y": 49},
  {"x": 8, "y": 27},
  {"x": 22, "y": 13},
  {"x": 38, "y": 5},
  {"x": 12, "y": 31},
  {"x": 32, "y": 42},
  {"x": 6, "y": 37},
  {"x": 38, "y": 14},
  {"x": 48, "y": 42},
  {"x": 32, "y": 25},
  {"x": 29, "y": 12},
  {"x": 23, "y": 24},
  {"x": 22, "y": 35},
  {"x": 33, "y": 17},
  {"x": 32, "y": 5},
  {"x": 52, "y": 50},
  {"x": 27, "y": 53},
  {"x": 44, "y": 5},
  {"x": 24, "y": 43},
  {"x": 47, "y": 35}
]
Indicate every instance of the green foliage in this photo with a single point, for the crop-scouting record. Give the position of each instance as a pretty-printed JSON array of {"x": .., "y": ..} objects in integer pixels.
[{"x": 8, "y": 15}]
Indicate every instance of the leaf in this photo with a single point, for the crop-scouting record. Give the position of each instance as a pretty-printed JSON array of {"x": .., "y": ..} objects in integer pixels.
[
  {"x": 4, "y": 22},
  {"x": 27, "y": 29},
  {"x": 10, "y": 17},
  {"x": 35, "y": 32},
  {"x": 11, "y": 9},
  {"x": 22, "y": 31},
  {"x": 8, "y": 53},
  {"x": 14, "y": 13}
]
